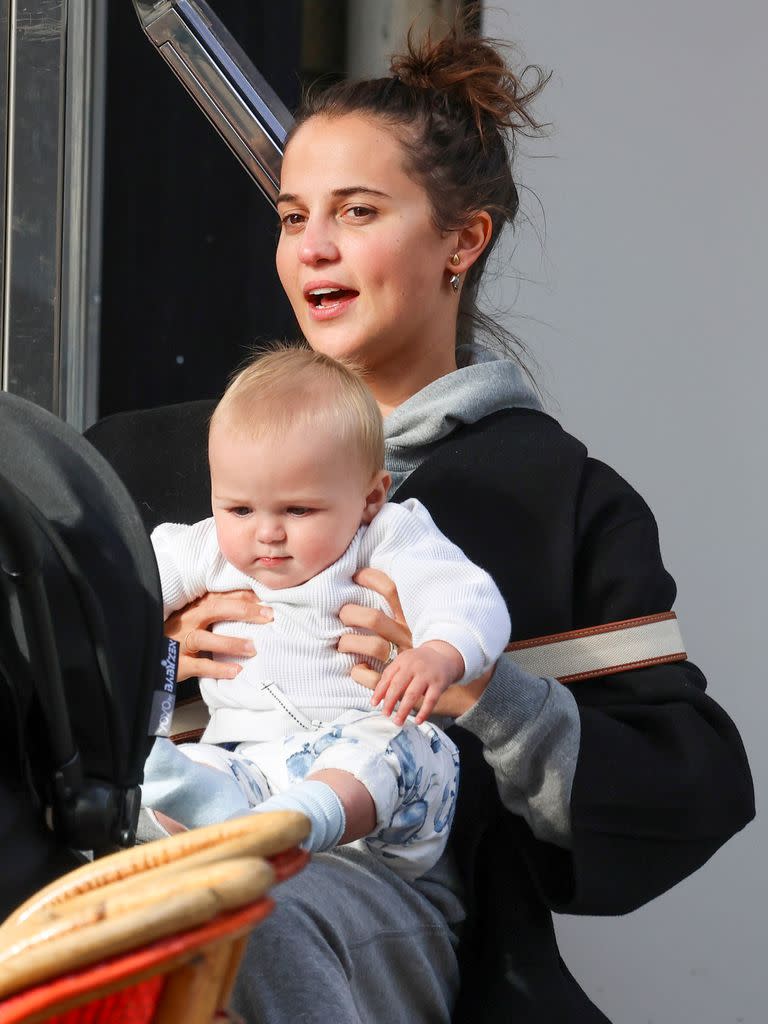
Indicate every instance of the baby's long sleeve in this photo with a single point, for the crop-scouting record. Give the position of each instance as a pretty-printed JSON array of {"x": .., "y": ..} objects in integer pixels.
[
  {"x": 444, "y": 595},
  {"x": 184, "y": 556}
]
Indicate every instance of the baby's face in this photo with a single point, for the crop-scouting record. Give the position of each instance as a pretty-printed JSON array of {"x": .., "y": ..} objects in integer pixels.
[{"x": 285, "y": 509}]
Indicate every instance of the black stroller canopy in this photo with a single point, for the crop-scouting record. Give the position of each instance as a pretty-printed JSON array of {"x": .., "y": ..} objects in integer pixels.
[{"x": 97, "y": 617}]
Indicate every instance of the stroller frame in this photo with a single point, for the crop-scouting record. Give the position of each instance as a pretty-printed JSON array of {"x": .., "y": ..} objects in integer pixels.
[{"x": 80, "y": 632}]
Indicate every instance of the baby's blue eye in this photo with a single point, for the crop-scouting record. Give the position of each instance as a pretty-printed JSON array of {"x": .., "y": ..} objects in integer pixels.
[
  {"x": 298, "y": 511},
  {"x": 241, "y": 511}
]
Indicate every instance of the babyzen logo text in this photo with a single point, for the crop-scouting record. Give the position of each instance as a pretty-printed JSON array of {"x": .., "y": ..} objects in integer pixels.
[
  {"x": 164, "y": 700},
  {"x": 171, "y": 663},
  {"x": 163, "y": 705}
]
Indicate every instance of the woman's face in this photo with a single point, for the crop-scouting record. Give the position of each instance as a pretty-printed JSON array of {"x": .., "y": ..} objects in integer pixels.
[{"x": 359, "y": 255}]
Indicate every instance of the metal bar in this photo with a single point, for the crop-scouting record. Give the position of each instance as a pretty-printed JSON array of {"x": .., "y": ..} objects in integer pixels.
[
  {"x": 82, "y": 216},
  {"x": 5, "y": 64},
  {"x": 222, "y": 80},
  {"x": 33, "y": 188},
  {"x": 51, "y": 230}
]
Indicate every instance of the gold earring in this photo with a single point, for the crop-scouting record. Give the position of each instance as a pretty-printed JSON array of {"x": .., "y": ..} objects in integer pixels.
[{"x": 453, "y": 280}]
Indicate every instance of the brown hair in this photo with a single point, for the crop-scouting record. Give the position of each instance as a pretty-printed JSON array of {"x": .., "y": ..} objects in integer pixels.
[
  {"x": 290, "y": 387},
  {"x": 457, "y": 108}
]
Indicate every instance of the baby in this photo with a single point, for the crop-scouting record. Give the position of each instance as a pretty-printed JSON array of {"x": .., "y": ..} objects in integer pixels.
[{"x": 299, "y": 491}]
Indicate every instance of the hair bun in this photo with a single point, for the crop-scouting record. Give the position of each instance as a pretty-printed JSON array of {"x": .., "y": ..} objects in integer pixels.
[{"x": 471, "y": 70}]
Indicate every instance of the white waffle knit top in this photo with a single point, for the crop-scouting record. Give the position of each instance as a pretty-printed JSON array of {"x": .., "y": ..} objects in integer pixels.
[{"x": 297, "y": 677}]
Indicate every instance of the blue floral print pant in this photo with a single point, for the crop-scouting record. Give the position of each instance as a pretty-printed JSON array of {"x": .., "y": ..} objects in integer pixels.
[{"x": 411, "y": 772}]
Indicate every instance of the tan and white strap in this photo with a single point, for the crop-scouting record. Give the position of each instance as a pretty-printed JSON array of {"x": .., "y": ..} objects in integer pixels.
[
  {"x": 602, "y": 650},
  {"x": 568, "y": 657}
]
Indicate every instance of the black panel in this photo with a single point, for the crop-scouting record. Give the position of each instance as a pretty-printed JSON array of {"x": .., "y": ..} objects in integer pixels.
[{"x": 188, "y": 273}]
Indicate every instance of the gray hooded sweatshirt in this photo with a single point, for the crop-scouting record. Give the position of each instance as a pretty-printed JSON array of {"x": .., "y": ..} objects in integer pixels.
[{"x": 529, "y": 726}]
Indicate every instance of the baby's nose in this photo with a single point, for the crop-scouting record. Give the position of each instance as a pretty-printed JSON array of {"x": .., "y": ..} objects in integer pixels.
[{"x": 270, "y": 529}]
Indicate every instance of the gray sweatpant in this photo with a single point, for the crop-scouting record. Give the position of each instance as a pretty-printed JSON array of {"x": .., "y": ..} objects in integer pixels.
[{"x": 350, "y": 942}]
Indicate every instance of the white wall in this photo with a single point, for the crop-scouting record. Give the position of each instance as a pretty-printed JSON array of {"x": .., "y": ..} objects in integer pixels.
[{"x": 646, "y": 308}]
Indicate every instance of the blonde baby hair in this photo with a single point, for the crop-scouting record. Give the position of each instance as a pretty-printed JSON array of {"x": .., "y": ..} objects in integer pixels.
[{"x": 289, "y": 387}]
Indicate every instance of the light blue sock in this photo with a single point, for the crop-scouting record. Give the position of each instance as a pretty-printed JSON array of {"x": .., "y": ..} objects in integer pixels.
[
  {"x": 191, "y": 793},
  {"x": 320, "y": 804}
]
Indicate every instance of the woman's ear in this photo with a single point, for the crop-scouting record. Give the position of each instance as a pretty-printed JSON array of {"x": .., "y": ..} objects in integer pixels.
[
  {"x": 470, "y": 242},
  {"x": 376, "y": 494}
]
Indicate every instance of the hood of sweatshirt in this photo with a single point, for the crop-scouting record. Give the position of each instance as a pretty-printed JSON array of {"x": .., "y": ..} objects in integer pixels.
[{"x": 483, "y": 384}]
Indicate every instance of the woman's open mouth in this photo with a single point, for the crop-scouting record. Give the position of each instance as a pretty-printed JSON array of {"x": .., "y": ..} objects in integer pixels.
[{"x": 328, "y": 302}]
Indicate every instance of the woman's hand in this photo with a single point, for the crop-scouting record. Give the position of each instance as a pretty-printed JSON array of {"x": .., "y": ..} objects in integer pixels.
[
  {"x": 385, "y": 630},
  {"x": 190, "y": 626},
  {"x": 458, "y": 699}
]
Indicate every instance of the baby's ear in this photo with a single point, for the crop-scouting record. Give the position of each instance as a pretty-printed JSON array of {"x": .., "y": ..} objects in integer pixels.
[{"x": 376, "y": 494}]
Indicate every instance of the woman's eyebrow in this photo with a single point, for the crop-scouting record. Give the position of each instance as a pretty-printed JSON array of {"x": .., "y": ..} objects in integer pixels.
[
  {"x": 338, "y": 193},
  {"x": 355, "y": 190}
]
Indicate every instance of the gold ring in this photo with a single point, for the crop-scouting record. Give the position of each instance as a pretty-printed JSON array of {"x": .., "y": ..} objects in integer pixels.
[
  {"x": 392, "y": 654},
  {"x": 185, "y": 648}
]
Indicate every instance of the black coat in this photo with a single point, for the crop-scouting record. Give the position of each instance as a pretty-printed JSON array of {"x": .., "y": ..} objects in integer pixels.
[{"x": 661, "y": 779}]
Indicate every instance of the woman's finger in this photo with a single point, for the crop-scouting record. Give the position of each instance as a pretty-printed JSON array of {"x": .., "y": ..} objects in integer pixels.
[
  {"x": 375, "y": 579},
  {"x": 190, "y": 666},
  {"x": 364, "y": 646},
  {"x": 190, "y": 628},
  {"x": 365, "y": 675},
  {"x": 236, "y": 606},
  {"x": 202, "y": 641},
  {"x": 378, "y": 623},
  {"x": 382, "y": 630}
]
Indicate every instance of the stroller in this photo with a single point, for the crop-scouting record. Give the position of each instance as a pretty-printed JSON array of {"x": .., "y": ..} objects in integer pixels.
[{"x": 81, "y": 651}]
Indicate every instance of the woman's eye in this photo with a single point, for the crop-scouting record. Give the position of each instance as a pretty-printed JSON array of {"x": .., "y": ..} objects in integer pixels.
[
  {"x": 360, "y": 212},
  {"x": 292, "y": 220},
  {"x": 299, "y": 511}
]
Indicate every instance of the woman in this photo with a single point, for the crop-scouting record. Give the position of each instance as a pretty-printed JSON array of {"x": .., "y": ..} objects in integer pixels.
[{"x": 592, "y": 800}]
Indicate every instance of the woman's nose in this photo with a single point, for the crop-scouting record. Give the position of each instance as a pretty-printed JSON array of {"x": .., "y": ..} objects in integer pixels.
[{"x": 317, "y": 244}]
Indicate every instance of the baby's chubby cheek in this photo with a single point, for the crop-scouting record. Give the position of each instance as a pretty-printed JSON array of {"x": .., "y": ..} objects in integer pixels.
[{"x": 234, "y": 552}]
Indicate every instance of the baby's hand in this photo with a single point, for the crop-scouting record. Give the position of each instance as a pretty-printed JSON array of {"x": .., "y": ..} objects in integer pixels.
[{"x": 418, "y": 677}]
